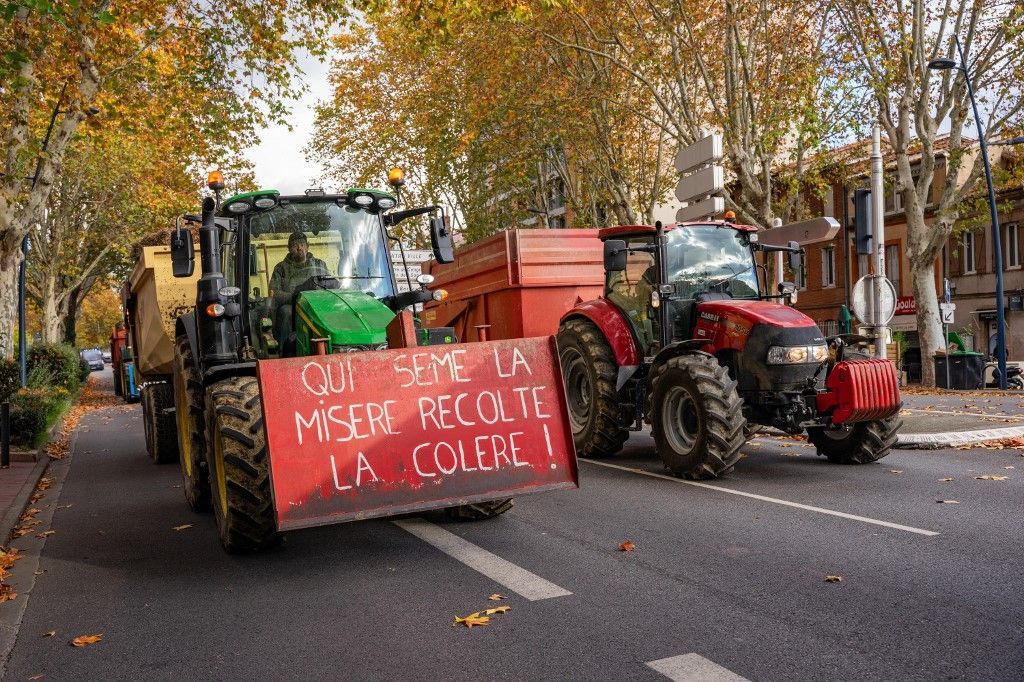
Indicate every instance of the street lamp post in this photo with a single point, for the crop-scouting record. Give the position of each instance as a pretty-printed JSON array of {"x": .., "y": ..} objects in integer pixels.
[{"x": 945, "y": 64}]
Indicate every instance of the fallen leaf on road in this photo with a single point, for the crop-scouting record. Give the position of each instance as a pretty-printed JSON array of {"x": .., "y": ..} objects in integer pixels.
[
  {"x": 471, "y": 620},
  {"x": 64, "y": 506},
  {"x": 497, "y": 609},
  {"x": 944, "y": 480},
  {"x": 45, "y": 533},
  {"x": 1009, "y": 467},
  {"x": 182, "y": 526},
  {"x": 49, "y": 633},
  {"x": 947, "y": 501},
  {"x": 496, "y": 597},
  {"x": 627, "y": 546},
  {"x": 895, "y": 471},
  {"x": 37, "y": 677},
  {"x": 833, "y": 578},
  {"x": 85, "y": 640},
  {"x": 7, "y": 593},
  {"x": 21, "y": 532},
  {"x": 987, "y": 477}
]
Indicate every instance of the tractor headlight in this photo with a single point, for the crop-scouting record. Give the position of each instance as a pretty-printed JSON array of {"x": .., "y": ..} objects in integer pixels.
[
  {"x": 363, "y": 200},
  {"x": 385, "y": 203},
  {"x": 792, "y": 355},
  {"x": 239, "y": 207}
]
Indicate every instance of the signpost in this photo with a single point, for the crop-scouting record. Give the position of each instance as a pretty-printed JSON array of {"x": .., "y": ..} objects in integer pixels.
[
  {"x": 702, "y": 179},
  {"x": 362, "y": 435}
]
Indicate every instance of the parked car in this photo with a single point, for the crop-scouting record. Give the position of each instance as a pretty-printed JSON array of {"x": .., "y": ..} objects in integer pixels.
[
  {"x": 94, "y": 357},
  {"x": 106, "y": 356}
]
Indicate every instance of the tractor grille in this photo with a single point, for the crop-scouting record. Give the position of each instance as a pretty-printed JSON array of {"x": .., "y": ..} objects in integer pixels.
[{"x": 860, "y": 391}]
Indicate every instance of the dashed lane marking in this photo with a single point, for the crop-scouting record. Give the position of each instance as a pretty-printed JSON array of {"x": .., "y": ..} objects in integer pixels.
[
  {"x": 693, "y": 668},
  {"x": 763, "y": 498},
  {"x": 503, "y": 572}
]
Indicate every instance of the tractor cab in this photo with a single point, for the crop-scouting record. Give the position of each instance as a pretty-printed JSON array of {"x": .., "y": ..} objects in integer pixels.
[{"x": 702, "y": 262}]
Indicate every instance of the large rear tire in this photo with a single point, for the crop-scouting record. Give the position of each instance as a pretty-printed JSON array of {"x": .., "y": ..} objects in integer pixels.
[
  {"x": 696, "y": 415},
  {"x": 161, "y": 432},
  {"x": 860, "y": 443},
  {"x": 239, "y": 466},
  {"x": 191, "y": 427},
  {"x": 589, "y": 372}
]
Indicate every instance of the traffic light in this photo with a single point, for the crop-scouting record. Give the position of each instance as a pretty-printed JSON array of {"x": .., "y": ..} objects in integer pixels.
[{"x": 862, "y": 229}]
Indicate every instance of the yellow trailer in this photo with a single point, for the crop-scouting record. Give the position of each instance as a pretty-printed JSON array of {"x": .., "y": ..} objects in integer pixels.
[{"x": 153, "y": 300}]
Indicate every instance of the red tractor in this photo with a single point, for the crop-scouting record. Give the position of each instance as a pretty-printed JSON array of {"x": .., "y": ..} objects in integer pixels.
[{"x": 686, "y": 338}]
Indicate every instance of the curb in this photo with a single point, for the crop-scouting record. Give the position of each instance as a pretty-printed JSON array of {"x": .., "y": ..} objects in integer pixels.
[{"x": 908, "y": 441}]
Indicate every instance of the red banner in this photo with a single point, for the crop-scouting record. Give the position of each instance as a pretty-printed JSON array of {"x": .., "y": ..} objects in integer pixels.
[{"x": 360, "y": 435}]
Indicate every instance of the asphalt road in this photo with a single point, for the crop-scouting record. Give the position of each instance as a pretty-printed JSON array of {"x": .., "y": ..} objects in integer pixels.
[{"x": 736, "y": 580}]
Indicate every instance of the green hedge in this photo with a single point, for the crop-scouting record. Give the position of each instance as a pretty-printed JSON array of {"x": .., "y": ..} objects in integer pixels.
[
  {"x": 10, "y": 378},
  {"x": 56, "y": 361},
  {"x": 33, "y": 410},
  {"x": 83, "y": 370}
]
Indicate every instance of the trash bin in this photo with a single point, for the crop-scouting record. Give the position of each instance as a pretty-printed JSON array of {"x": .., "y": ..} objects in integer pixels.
[{"x": 966, "y": 370}]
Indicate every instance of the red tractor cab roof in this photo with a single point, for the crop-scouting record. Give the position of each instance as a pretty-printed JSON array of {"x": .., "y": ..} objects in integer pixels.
[{"x": 638, "y": 230}]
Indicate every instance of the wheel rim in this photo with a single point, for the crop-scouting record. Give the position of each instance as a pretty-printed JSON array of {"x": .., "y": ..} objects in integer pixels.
[
  {"x": 838, "y": 433},
  {"x": 184, "y": 428},
  {"x": 681, "y": 419},
  {"x": 578, "y": 389}
]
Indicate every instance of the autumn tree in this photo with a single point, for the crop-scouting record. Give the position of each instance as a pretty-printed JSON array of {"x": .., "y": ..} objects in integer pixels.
[
  {"x": 101, "y": 310},
  {"x": 485, "y": 119},
  {"x": 230, "y": 64},
  {"x": 889, "y": 48}
]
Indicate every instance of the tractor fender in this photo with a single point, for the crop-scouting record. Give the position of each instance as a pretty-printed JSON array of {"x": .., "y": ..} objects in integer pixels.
[
  {"x": 234, "y": 369},
  {"x": 186, "y": 324},
  {"x": 617, "y": 332},
  {"x": 690, "y": 347}
]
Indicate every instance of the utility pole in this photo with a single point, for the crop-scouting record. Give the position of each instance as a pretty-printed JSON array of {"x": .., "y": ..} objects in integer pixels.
[{"x": 878, "y": 220}]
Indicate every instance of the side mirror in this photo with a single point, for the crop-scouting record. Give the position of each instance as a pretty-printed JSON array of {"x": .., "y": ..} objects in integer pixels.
[
  {"x": 788, "y": 291},
  {"x": 441, "y": 240},
  {"x": 183, "y": 253},
  {"x": 796, "y": 257},
  {"x": 614, "y": 255}
]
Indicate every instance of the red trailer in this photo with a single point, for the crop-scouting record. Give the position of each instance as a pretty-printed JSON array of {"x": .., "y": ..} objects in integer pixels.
[{"x": 519, "y": 283}]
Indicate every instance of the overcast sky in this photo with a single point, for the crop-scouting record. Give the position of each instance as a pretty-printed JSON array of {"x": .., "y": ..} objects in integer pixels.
[{"x": 278, "y": 160}]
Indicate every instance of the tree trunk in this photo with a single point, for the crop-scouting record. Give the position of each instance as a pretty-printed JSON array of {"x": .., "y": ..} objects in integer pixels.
[
  {"x": 8, "y": 304},
  {"x": 71, "y": 318},
  {"x": 53, "y": 321},
  {"x": 928, "y": 328}
]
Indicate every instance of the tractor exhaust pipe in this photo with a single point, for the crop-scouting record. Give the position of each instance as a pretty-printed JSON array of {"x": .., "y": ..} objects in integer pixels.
[{"x": 216, "y": 336}]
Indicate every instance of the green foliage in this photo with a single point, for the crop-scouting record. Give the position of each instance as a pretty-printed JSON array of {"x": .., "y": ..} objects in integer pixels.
[
  {"x": 32, "y": 410},
  {"x": 59, "y": 361},
  {"x": 83, "y": 370},
  {"x": 10, "y": 378}
]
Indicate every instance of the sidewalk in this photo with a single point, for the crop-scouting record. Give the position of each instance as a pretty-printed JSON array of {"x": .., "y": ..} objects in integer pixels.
[{"x": 933, "y": 419}]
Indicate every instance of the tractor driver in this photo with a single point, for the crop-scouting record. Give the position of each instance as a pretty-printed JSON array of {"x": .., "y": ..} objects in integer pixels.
[{"x": 297, "y": 267}]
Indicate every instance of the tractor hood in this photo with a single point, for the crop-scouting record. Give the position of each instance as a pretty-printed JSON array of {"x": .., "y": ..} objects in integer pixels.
[
  {"x": 756, "y": 312},
  {"x": 347, "y": 318}
]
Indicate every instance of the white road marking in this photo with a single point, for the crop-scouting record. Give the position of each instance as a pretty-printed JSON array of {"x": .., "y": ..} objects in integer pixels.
[
  {"x": 693, "y": 668},
  {"x": 503, "y": 572},
  {"x": 773, "y": 500}
]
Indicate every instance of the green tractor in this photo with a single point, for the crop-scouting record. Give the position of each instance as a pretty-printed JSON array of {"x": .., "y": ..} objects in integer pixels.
[{"x": 282, "y": 276}]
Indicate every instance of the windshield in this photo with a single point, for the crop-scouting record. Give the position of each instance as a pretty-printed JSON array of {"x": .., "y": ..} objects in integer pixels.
[
  {"x": 709, "y": 258},
  {"x": 342, "y": 241}
]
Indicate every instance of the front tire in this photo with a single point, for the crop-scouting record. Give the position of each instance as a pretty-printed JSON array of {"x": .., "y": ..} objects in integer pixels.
[
  {"x": 191, "y": 427},
  {"x": 239, "y": 466},
  {"x": 589, "y": 372},
  {"x": 860, "y": 443},
  {"x": 696, "y": 414}
]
